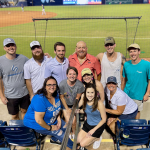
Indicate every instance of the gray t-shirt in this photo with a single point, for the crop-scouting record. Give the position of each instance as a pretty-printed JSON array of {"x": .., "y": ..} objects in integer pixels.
[
  {"x": 11, "y": 71},
  {"x": 69, "y": 92}
]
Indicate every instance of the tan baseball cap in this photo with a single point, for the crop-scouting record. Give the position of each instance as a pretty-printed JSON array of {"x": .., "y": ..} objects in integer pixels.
[
  {"x": 109, "y": 40},
  {"x": 136, "y": 46},
  {"x": 86, "y": 71}
]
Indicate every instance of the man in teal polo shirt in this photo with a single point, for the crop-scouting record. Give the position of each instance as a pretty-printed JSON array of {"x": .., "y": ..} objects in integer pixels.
[{"x": 136, "y": 77}]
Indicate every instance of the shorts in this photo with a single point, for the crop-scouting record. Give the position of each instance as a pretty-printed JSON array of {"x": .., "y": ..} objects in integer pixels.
[
  {"x": 86, "y": 127},
  {"x": 139, "y": 103},
  {"x": 129, "y": 116},
  {"x": 14, "y": 104}
]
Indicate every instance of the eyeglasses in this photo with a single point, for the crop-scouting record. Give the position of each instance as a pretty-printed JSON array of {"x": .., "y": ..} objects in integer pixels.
[
  {"x": 51, "y": 85},
  {"x": 109, "y": 44},
  {"x": 34, "y": 47},
  {"x": 11, "y": 44}
]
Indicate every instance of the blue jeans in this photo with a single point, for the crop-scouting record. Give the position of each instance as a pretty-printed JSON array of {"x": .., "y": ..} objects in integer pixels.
[{"x": 58, "y": 134}]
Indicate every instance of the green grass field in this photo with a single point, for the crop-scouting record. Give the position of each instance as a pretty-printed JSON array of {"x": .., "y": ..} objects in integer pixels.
[{"x": 93, "y": 32}]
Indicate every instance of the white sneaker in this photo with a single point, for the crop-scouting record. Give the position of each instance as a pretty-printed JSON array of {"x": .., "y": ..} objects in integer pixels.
[{"x": 96, "y": 144}]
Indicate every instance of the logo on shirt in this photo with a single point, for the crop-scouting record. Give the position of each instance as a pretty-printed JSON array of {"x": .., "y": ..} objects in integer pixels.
[
  {"x": 139, "y": 71},
  {"x": 13, "y": 68}
]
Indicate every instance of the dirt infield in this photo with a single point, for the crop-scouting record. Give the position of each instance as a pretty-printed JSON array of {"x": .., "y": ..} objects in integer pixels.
[{"x": 9, "y": 18}]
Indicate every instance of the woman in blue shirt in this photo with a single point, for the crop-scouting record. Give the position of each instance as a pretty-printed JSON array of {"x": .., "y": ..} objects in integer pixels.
[
  {"x": 43, "y": 113},
  {"x": 96, "y": 117}
]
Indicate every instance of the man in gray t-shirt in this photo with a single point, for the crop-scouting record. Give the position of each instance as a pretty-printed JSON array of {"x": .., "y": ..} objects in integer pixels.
[
  {"x": 70, "y": 89},
  {"x": 12, "y": 76}
]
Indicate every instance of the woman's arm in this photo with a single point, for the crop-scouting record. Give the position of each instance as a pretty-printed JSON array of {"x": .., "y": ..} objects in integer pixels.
[
  {"x": 101, "y": 108},
  {"x": 81, "y": 101},
  {"x": 100, "y": 89},
  {"x": 39, "y": 119},
  {"x": 119, "y": 111}
]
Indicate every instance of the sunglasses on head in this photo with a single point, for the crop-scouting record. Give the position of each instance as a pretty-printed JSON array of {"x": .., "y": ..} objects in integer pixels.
[
  {"x": 11, "y": 44},
  {"x": 34, "y": 47},
  {"x": 109, "y": 44}
]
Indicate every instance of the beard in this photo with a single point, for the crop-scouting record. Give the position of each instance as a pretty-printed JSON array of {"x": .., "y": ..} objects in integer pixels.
[{"x": 39, "y": 57}]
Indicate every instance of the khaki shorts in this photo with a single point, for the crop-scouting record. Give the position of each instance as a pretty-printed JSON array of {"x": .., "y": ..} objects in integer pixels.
[{"x": 139, "y": 103}]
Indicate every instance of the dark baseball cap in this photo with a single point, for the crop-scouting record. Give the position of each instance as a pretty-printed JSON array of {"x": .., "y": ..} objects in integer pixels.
[
  {"x": 109, "y": 40},
  {"x": 111, "y": 79},
  {"x": 8, "y": 41}
]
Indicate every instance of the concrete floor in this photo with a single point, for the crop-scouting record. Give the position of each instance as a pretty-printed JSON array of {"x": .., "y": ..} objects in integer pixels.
[{"x": 106, "y": 144}]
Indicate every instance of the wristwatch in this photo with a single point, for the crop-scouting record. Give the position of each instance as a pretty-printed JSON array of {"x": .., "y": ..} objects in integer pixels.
[{"x": 50, "y": 128}]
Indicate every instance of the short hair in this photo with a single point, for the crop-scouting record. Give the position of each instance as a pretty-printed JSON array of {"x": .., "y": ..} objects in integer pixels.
[
  {"x": 59, "y": 44},
  {"x": 73, "y": 68}
]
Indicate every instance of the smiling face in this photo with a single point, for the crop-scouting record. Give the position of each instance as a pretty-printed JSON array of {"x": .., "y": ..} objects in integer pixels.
[
  {"x": 60, "y": 52},
  {"x": 110, "y": 48},
  {"x": 72, "y": 76},
  {"x": 112, "y": 86},
  {"x": 134, "y": 54},
  {"x": 37, "y": 52},
  {"x": 87, "y": 78},
  {"x": 81, "y": 49},
  {"x": 10, "y": 49},
  {"x": 90, "y": 94},
  {"x": 51, "y": 86}
]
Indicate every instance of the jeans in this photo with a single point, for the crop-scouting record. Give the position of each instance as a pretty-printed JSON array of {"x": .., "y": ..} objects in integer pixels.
[{"x": 58, "y": 134}]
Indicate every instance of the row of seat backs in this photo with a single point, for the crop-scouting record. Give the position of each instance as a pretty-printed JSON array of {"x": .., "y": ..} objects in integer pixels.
[{"x": 133, "y": 132}]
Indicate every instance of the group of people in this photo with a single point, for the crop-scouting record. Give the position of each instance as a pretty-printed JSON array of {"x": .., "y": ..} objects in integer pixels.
[{"x": 108, "y": 88}]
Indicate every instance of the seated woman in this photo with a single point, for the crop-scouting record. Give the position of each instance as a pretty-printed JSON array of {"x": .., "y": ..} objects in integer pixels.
[
  {"x": 122, "y": 106},
  {"x": 43, "y": 112},
  {"x": 96, "y": 117}
]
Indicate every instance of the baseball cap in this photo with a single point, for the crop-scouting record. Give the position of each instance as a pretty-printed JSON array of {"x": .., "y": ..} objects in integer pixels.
[
  {"x": 33, "y": 43},
  {"x": 109, "y": 40},
  {"x": 86, "y": 71},
  {"x": 8, "y": 41},
  {"x": 136, "y": 46},
  {"x": 111, "y": 79}
]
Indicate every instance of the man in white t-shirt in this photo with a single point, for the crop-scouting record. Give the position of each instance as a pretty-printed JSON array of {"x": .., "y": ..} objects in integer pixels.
[
  {"x": 111, "y": 62},
  {"x": 34, "y": 68}
]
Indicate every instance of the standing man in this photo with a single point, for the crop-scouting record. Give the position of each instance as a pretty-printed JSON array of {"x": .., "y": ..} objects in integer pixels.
[
  {"x": 111, "y": 62},
  {"x": 58, "y": 66},
  {"x": 12, "y": 75},
  {"x": 136, "y": 78},
  {"x": 43, "y": 10},
  {"x": 81, "y": 59},
  {"x": 22, "y": 7},
  {"x": 34, "y": 68}
]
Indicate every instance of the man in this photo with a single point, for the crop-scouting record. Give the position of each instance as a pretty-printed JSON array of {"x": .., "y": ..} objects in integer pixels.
[
  {"x": 57, "y": 67},
  {"x": 43, "y": 10},
  {"x": 81, "y": 59},
  {"x": 70, "y": 89},
  {"x": 34, "y": 68},
  {"x": 111, "y": 62},
  {"x": 136, "y": 78},
  {"x": 11, "y": 72}
]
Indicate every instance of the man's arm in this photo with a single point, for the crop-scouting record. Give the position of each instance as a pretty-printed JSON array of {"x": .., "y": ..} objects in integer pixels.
[
  {"x": 2, "y": 96},
  {"x": 123, "y": 60},
  {"x": 123, "y": 83},
  {"x": 29, "y": 87},
  {"x": 146, "y": 96}
]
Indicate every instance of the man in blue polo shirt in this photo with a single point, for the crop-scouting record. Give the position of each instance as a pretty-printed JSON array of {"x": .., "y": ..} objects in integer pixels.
[
  {"x": 57, "y": 66},
  {"x": 136, "y": 77}
]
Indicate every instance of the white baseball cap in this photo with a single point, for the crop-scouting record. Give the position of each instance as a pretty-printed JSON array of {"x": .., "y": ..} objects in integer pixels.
[{"x": 33, "y": 43}]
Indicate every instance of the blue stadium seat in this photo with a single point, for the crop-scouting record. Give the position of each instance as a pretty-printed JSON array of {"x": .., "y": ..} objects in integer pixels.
[
  {"x": 19, "y": 135},
  {"x": 132, "y": 133},
  {"x": 143, "y": 149},
  {"x": 1, "y": 135},
  {"x": 4, "y": 148}
]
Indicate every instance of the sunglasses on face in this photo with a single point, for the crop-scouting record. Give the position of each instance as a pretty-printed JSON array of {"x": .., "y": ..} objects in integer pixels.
[
  {"x": 11, "y": 44},
  {"x": 51, "y": 85},
  {"x": 34, "y": 47},
  {"x": 109, "y": 44},
  {"x": 112, "y": 83}
]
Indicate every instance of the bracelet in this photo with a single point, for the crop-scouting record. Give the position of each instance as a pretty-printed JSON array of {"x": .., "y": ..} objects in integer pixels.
[{"x": 50, "y": 128}]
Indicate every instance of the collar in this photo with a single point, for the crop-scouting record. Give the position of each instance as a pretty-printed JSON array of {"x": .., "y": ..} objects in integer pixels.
[{"x": 59, "y": 62}]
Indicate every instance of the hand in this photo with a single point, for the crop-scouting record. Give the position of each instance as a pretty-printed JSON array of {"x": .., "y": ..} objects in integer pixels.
[
  {"x": 31, "y": 96},
  {"x": 145, "y": 98},
  {"x": 77, "y": 111},
  {"x": 47, "y": 54},
  {"x": 54, "y": 127},
  {"x": 90, "y": 133},
  {"x": 58, "y": 123},
  {"x": 4, "y": 100}
]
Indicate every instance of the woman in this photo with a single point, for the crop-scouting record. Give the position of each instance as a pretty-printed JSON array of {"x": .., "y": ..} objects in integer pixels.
[
  {"x": 43, "y": 113},
  {"x": 96, "y": 117},
  {"x": 122, "y": 106}
]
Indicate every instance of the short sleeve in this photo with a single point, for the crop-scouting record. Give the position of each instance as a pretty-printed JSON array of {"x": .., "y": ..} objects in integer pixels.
[
  {"x": 149, "y": 70},
  {"x": 97, "y": 66},
  {"x": 123, "y": 72},
  {"x": 38, "y": 103},
  {"x": 26, "y": 72},
  {"x": 81, "y": 88},
  {"x": 1, "y": 71},
  {"x": 61, "y": 88},
  {"x": 47, "y": 71}
]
